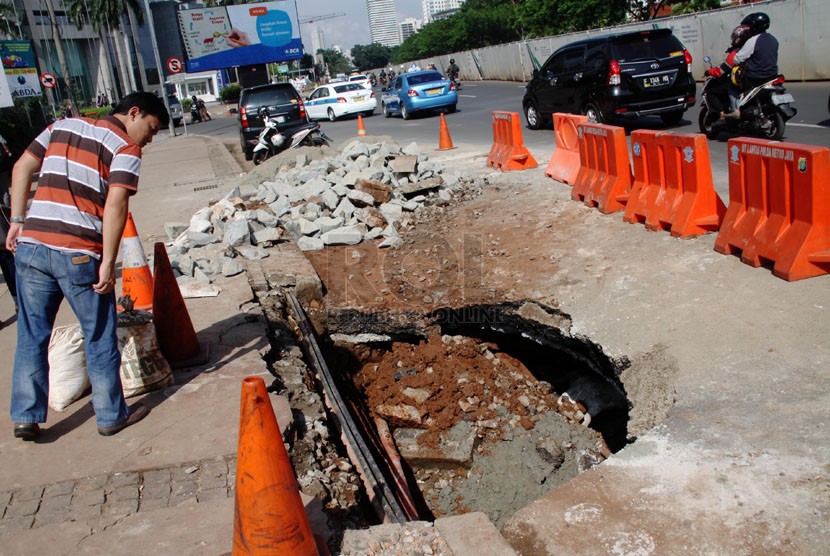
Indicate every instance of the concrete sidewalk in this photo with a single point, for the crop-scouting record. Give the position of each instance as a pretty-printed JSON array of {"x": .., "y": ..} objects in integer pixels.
[{"x": 163, "y": 486}]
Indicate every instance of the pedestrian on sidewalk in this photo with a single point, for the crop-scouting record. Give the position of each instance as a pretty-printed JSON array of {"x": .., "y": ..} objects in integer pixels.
[
  {"x": 66, "y": 247},
  {"x": 6, "y": 256}
]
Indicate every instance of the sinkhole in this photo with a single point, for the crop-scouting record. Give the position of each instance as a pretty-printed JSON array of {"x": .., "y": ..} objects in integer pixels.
[{"x": 478, "y": 408}]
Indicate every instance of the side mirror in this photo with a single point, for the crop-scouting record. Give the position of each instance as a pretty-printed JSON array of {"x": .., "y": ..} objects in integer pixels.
[
  {"x": 707, "y": 59},
  {"x": 535, "y": 73}
]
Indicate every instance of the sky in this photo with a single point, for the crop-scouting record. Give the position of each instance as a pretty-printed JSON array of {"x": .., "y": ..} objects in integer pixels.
[{"x": 351, "y": 29}]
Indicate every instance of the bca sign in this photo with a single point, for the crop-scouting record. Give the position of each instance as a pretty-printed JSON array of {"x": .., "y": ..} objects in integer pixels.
[
  {"x": 174, "y": 65},
  {"x": 48, "y": 80}
]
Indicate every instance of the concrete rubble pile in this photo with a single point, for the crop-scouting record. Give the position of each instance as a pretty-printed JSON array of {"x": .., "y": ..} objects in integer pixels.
[{"x": 367, "y": 192}]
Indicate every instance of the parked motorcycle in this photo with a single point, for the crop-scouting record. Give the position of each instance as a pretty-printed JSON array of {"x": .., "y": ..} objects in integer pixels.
[
  {"x": 765, "y": 109},
  {"x": 272, "y": 141}
]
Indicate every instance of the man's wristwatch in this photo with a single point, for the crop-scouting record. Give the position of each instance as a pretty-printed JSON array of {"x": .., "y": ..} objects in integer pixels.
[{"x": 17, "y": 220}]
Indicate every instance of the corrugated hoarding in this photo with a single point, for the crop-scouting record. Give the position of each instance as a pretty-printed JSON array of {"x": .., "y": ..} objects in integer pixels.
[
  {"x": 21, "y": 68},
  {"x": 242, "y": 35}
]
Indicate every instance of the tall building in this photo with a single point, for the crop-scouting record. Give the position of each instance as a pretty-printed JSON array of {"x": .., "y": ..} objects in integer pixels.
[
  {"x": 409, "y": 27},
  {"x": 383, "y": 22},
  {"x": 432, "y": 7}
]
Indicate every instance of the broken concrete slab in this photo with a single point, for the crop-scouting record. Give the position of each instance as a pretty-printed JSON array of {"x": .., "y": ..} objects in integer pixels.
[
  {"x": 455, "y": 447},
  {"x": 473, "y": 533}
]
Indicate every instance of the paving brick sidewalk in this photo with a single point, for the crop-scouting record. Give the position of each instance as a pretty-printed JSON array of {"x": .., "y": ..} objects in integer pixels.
[{"x": 103, "y": 499}]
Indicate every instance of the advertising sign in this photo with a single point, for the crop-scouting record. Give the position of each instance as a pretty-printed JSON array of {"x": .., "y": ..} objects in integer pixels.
[
  {"x": 6, "y": 99},
  {"x": 21, "y": 68},
  {"x": 242, "y": 35}
]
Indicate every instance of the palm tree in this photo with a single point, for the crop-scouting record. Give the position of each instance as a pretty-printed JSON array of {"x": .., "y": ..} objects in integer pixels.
[{"x": 106, "y": 14}]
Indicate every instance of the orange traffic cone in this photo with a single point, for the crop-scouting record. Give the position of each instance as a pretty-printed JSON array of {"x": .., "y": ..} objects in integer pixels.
[
  {"x": 176, "y": 336},
  {"x": 269, "y": 517},
  {"x": 136, "y": 280},
  {"x": 361, "y": 131},
  {"x": 444, "y": 139}
]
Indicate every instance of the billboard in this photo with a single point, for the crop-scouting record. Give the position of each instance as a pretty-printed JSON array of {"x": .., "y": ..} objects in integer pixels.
[
  {"x": 20, "y": 67},
  {"x": 242, "y": 35}
]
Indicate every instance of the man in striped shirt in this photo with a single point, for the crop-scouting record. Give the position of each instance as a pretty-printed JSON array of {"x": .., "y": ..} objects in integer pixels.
[{"x": 66, "y": 247}]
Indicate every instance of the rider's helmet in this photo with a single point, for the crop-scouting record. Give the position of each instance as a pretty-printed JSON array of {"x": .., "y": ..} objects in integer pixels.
[
  {"x": 452, "y": 60},
  {"x": 739, "y": 36},
  {"x": 757, "y": 22}
]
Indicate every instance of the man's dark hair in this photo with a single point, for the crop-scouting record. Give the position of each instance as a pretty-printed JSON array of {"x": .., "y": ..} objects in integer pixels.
[{"x": 147, "y": 104}]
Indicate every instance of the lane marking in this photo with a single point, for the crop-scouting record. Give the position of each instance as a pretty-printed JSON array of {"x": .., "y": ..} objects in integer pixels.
[
  {"x": 809, "y": 125},
  {"x": 468, "y": 96}
]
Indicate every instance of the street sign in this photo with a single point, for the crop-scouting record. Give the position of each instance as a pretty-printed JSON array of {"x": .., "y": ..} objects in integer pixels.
[
  {"x": 174, "y": 64},
  {"x": 177, "y": 78},
  {"x": 48, "y": 80}
]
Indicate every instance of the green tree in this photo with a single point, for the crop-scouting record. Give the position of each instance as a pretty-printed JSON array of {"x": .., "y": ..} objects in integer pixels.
[
  {"x": 336, "y": 62},
  {"x": 692, "y": 6},
  {"x": 369, "y": 56},
  {"x": 643, "y": 10}
]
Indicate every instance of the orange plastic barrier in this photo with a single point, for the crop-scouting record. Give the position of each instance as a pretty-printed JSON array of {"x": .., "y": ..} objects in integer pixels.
[
  {"x": 269, "y": 516},
  {"x": 564, "y": 164},
  {"x": 779, "y": 207},
  {"x": 673, "y": 186},
  {"x": 508, "y": 151},
  {"x": 604, "y": 176},
  {"x": 136, "y": 280}
]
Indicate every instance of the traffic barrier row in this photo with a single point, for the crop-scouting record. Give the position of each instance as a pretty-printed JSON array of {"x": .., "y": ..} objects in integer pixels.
[
  {"x": 604, "y": 176},
  {"x": 673, "y": 188},
  {"x": 508, "y": 151},
  {"x": 779, "y": 207},
  {"x": 564, "y": 164}
]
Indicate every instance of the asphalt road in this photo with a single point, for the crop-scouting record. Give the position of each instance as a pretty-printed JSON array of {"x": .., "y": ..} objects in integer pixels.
[{"x": 470, "y": 127}]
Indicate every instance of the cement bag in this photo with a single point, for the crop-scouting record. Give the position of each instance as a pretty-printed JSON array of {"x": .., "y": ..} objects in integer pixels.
[
  {"x": 68, "y": 380},
  {"x": 143, "y": 367}
]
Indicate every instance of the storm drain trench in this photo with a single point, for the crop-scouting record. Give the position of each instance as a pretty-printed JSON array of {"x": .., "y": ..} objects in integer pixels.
[{"x": 471, "y": 409}]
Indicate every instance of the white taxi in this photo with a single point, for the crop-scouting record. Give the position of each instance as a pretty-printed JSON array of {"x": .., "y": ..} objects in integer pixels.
[{"x": 338, "y": 100}]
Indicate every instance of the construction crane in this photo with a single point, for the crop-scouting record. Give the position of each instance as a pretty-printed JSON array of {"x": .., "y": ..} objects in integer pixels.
[{"x": 314, "y": 18}]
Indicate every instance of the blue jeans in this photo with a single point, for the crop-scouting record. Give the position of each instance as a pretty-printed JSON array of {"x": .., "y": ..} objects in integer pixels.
[{"x": 44, "y": 277}]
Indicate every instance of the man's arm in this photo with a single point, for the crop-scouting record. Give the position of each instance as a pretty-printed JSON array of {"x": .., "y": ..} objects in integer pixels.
[
  {"x": 115, "y": 217},
  {"x": 746, "y": 51},
  {"x": 21, "y": 187}
]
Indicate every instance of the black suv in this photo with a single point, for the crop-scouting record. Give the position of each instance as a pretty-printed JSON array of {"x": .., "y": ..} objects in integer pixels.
[
  {"x": 283, "y": 103},
  {"x": 626, "y": 75}
]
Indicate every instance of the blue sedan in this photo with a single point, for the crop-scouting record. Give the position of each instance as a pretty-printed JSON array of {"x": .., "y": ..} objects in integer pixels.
[{"x": 418, "y": 91}]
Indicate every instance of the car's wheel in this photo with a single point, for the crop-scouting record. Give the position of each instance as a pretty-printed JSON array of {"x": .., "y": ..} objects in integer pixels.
[
  {"x": 405, "y": 113},
  {"x": 705, "y": 122},
  {"x": 385, "y": 110},
  {"x": 260, "y": 157},
  {"x": 594, "y": 115},
  {"x": 452, "y": 108},
  {"x": 534, "y": 120},
  {"x": 775, "y": 132},
  {"x": 369, "y": 113},
  {"x": 672, "y": 118},
  {"x": 332, "y": 115}
]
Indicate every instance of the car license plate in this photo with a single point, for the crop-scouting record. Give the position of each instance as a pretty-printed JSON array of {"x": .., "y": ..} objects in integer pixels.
[
  {"x": 359, "y": 99},
  {"x": 280, "y": 119},
  {"x": 431, "y": 92},
  {"x": 656, "y": 81},
  {"x": 782, "y": 99}
]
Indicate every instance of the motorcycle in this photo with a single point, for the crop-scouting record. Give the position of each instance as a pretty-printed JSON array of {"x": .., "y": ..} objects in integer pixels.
[
  {"x": 453, "y": 76},
  {"x": 383, "y": 80},
  {"x": 271, "y": 141},
  {"x": 374, "y": 81},
  {"x": 195, "y": 115},
  {"x": 765, "y": 109}
]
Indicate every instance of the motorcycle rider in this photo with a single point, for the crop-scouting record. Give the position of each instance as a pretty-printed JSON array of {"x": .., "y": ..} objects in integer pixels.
[
  {"x": 453, "y": 70},
  {"x": 718, "y": 91},
  {"x": 759, "y": 58}
]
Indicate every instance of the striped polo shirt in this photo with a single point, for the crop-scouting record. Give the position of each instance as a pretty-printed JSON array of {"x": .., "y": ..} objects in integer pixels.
[{"x": 80, "y": 160}]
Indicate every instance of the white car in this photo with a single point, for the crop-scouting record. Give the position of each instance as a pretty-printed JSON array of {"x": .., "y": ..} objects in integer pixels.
[
  {"x": 362, "y": 80},
  {"x": 336, "y": 101}
]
